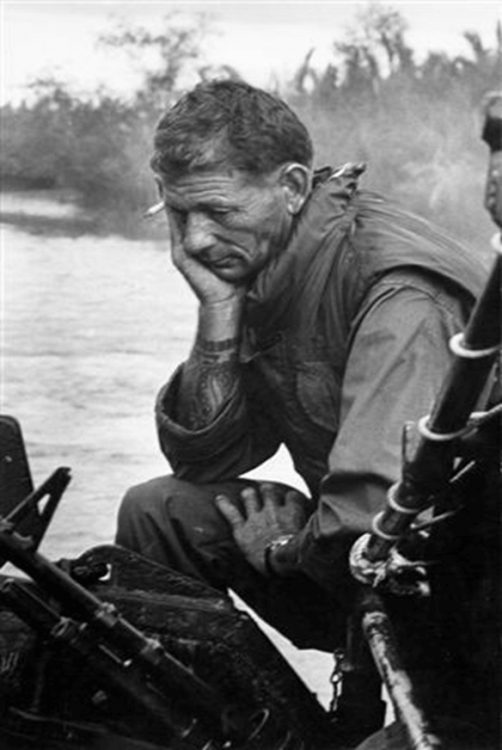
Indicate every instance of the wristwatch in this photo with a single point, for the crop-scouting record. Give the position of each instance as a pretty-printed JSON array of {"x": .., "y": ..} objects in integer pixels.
[{"x": 281, "y": 556}]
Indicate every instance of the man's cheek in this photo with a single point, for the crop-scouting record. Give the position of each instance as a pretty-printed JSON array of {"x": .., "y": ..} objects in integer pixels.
[{"x": 244, "y": 240}]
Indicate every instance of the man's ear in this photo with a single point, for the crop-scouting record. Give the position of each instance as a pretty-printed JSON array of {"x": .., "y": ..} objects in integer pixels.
[{"x": 296, "y": 182}]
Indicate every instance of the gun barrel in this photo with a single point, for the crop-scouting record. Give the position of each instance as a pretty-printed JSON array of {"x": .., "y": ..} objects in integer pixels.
[
  {"x": 44, "y": 619},
  {"x": 102, "y": 618}
]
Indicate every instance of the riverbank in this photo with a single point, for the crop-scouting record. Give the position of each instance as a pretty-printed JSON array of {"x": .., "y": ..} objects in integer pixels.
[
  {"x": 53, "y": 212},
  {"x": 45, "y": 212}
]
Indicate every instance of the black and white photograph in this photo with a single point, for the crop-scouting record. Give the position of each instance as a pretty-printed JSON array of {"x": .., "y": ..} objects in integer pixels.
[{"x": 250, "y": 375}]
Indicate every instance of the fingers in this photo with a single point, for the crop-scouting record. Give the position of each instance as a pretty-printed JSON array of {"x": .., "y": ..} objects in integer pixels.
[
  {"x": 175, "y": 236},
  {"x": 272, "y": 500},
  {"x": 251, "y": 500},
  {"x": 251, "y": 504},
  {"x": 229, "y": 511},
  {"x": 285, "y": 504},
  {"x": 270, "y": 493},
  {"x": 278, "y": 494},
  {"x": 295, "y": 497}
]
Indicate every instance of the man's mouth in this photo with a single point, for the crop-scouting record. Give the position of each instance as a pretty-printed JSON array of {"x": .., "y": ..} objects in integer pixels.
[{"x": 225, "y": 261}]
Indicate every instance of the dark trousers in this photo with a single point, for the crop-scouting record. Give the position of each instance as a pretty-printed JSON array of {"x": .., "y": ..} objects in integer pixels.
[{"x": 177, "y": 524}]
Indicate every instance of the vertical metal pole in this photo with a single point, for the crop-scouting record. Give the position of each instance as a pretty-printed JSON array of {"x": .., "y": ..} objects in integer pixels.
[{"x": 381, "y": 639}]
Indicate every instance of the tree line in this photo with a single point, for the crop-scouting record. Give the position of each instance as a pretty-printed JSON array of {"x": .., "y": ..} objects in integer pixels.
[{"x": 416, "y": 124}]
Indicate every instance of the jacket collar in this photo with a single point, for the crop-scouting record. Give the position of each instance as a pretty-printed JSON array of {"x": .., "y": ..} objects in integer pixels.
[{"x": 295, "y": 279}]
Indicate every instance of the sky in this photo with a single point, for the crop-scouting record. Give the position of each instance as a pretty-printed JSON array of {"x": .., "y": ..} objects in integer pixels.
[{"x": 264, "y": 41}]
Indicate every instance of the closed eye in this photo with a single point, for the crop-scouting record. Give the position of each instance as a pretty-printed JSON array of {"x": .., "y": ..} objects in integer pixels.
[{"x": 218, "y": 213}]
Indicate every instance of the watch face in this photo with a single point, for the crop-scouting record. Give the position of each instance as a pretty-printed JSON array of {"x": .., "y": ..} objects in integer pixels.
[
  {"x": 281, "y": 541},
  {"x": 274, "y": 565}
]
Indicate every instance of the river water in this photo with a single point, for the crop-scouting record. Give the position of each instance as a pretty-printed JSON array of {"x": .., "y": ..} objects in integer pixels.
[{"x": 91, "y": 327}]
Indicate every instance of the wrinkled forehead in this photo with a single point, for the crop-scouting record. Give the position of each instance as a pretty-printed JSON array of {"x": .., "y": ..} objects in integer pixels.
[
  {"x": 216, "y": 186},
  {"x": 223, "y": 175}
]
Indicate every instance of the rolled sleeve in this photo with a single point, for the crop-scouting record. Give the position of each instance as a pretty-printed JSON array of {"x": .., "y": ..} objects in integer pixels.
[
  {"x": 232, "y": 444},
  {"x": 397, "y": 363}
]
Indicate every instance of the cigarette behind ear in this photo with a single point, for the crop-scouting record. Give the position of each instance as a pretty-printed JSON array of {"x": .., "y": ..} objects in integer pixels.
[{"x": 154, "y": 210}]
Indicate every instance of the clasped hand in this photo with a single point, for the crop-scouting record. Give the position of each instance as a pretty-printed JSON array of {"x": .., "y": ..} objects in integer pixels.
[{"x": 268, "y": 511}]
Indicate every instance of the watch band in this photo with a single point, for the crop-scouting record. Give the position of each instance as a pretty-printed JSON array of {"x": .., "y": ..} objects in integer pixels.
[{"x": 272, "y": 547}]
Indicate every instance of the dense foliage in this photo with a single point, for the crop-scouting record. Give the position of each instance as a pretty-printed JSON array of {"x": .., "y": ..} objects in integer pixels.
[{"x": 417, "y": 125}]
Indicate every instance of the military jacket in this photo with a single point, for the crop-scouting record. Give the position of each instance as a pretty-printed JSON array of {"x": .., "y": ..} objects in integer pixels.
[{"x": 345, "y": 339}]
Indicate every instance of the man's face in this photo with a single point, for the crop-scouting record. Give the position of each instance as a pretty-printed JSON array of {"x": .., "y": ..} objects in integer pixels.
[{"x": 232, "y": 222}]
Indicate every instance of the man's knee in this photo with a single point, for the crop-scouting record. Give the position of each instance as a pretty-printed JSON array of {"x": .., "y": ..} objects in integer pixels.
[
  {"x": 164, "y": 505},
  {"x": 175, "y": 522},
  {"x": 139, "y": 499},
  {"x": 143, "y": 506}
]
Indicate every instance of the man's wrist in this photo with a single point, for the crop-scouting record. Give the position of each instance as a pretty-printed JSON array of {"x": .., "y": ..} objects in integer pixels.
[
  {"x": 220, "y": 321},
  {"x": 223, "y": 346},
  {"x": 281, "y": 556}
]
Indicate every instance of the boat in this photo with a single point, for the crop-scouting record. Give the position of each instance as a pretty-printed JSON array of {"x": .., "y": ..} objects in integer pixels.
[{"x": 110, "y": 650}]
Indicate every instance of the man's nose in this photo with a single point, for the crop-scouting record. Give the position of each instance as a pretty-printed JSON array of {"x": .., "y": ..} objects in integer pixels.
[{"x": 198, "y": 233}]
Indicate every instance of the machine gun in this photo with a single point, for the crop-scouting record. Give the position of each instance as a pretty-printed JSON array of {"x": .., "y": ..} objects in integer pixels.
[
  {"x": 158, "y": 701},
  {"x": 118, "y": 651},
  {"x": 84, "y": 673},
  {"x": 443, "y": 473}
]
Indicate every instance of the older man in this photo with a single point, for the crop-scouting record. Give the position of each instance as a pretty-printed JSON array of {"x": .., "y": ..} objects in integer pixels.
[{"x": 324, "y": 318}]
